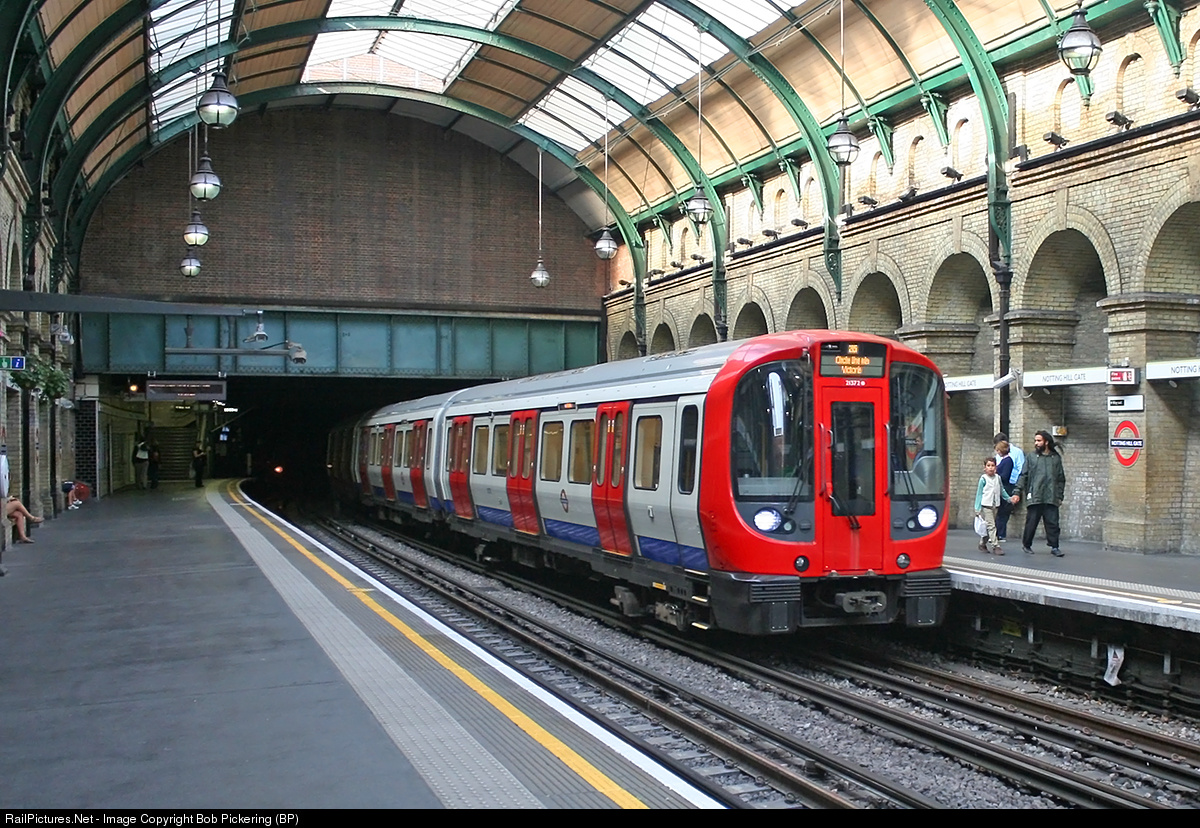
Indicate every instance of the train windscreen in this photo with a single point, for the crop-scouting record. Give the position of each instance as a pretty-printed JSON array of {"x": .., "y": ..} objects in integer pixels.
[
  {"x": 772, "y": 433},
  {"x": 918, "y": 457}
]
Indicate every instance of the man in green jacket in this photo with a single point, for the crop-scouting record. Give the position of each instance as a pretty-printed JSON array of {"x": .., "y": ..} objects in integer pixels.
[{"x": 1043, "y": 484}]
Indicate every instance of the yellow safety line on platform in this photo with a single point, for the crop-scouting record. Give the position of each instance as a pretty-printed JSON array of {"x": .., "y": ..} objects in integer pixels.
[{"x": 585, "y": 769}]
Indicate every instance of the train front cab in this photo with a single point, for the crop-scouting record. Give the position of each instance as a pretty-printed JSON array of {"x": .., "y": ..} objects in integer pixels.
[{"x": 837, "y": 465}]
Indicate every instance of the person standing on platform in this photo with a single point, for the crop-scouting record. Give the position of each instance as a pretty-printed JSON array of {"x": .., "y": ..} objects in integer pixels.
[
  {"x": 1018, "y": 458},
  {"x": 988, "y": 496},
  {"x": 141, "y": 462},
  {"x": 198, "y": 466},
  {"x": 154, "y": 464},
  {"x": 1043, "y": 483},
  {"x": 1004, "y": 467}
]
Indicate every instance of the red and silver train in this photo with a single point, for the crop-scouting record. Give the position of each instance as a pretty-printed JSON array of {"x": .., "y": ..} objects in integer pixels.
[{"x": 791, "y": 480}]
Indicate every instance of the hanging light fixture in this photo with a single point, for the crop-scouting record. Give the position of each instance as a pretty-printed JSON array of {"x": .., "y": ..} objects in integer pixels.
[
  {"x": 205, "y": 184},
  {"x": 196, "y": 233},
  {"x": 1080, "y": 48},
  {"x": 698, "y": 206},
  {"x": 190, "y": 266},
  {"x": 842, "y": 144},
  {"x": 540, "y": 276},
  {"x": 217, "y": 107},
  {"x": 606, "y": 245}
]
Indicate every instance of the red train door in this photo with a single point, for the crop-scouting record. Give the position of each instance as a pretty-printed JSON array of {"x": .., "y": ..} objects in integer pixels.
[
  {"x": 385, "y": 461},
  {"x": 852, "y": 523},
  {"x": 458, "y": 459},
  {"x": 417, "y": 474},
  {"x": 364, "y": 448},
  {"x": 523, "y": 449},
  {"x": 608, "y": 483}
]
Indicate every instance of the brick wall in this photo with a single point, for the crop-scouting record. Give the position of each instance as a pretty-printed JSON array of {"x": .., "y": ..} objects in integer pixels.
[{"x": 343, "y": 208}]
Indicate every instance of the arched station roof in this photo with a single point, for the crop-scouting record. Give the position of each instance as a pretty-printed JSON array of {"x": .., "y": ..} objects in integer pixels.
[{"x": 679, "y": 92}]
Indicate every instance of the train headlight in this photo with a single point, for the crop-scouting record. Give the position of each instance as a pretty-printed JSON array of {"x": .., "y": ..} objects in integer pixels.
[
  {"x": 767, "y": 520},
  {"x": 927, "y": 518},
  {"x": 800, "y": 563},
  {"x": 903, "y": 561}
]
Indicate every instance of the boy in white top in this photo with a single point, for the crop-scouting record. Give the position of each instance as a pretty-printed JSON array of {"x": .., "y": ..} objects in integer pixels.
[{"x": 987, "y": 502}]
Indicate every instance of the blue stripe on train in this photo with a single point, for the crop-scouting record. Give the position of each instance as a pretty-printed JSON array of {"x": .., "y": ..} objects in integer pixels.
[
  {"x": 573, "y": 532},
  {"x": 499, "y": 517},
  {"x": 669, "y": 552}
]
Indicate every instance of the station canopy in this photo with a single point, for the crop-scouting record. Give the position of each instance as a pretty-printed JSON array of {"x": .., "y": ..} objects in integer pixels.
[{"x": 666, "y": 90}]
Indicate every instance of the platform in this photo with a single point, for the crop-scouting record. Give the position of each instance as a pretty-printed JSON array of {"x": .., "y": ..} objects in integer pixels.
[
  {"x": 174, "y": 649},
  {"x": 1158, "y": 590}
]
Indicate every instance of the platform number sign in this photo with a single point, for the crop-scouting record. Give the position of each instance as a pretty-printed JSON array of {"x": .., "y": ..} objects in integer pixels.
[{"x": 12, "y": 363}]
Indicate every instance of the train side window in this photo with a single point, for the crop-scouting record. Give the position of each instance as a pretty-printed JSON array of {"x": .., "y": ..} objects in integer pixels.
[
  {"x": 463, "y": 449},
  {"x": 480, "y": 458},
  {"x": 530, "y": 444},
  {"x": 451, "y": 431},
  {"x": 500, "y": 450},
  {"x": 647, "y": 452},
  {"x": 408, "y": 449},
  {"x": 688, "y": 448},
  {"x": 552, "y": 446},
  {"x": 582, "y": 437},
  {"x": 602, "y": 449}
]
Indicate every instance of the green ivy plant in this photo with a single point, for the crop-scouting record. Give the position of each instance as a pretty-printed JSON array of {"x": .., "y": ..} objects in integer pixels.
[{"x": 41, "y": 375}]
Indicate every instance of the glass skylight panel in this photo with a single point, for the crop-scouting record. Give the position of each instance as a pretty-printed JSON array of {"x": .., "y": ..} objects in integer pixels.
[
  {"x": 658, "y": 47},
  {"x": 746, "y": 17},
  {"x": 582, "y": 107},
  {"x": 177, "y": 31},
  {"x": 430, "y": 56},
  {"x": 554, "y": 129}
]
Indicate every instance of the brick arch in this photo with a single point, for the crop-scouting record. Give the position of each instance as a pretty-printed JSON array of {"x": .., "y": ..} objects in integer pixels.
[
  {"x": 757, "y": 296},
  {"x": 628, "y": 347},
  {"x": 1173, "y": 260},
  {"x": 1164, "y": 237},
  {"x": 703, "y": 331},
  {"x": 1064, "y": 264},
  {"x": 968, "y": 244},
  {"x": 1078, "y": 219},
  {"x": 663, "y": 341},
  {"x": 808, "y": 310},
  {"x": 875, "y": 306},
  {"x": 884, "y": 266},
  {"x": 959, "y": 292},
  {"x": 751, "y": 321}
]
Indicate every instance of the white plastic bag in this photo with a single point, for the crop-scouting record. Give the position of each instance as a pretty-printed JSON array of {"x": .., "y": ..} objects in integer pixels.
[{"x": 980, "y": 526}]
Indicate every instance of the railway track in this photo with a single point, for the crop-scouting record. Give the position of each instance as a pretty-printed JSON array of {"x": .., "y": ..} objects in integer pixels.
[{"x": 763, "y": 750}]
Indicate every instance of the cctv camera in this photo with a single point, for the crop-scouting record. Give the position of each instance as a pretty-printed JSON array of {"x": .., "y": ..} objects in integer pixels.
[
  {"x": 298, "y": 356},
  {"x": 1006, "y": 380}
]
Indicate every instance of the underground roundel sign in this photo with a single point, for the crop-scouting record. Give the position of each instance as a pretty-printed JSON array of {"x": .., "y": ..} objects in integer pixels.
[{"x": 1126, "y": 443}]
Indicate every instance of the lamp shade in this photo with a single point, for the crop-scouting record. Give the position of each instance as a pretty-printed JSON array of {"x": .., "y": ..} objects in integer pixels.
[
  {"x": 699, "y": 207},
  {"x": 196, "y": 233},
  {"x": 842, "y": 144},
  {"x": 1080, "y": 48},
  {"x": 540, "y": 276},
  {"x": 606, "y": 246},
  {"x": 205, "y": 184},
  {"x": 190, "y": 266},
  {"x": 217, "y": 107}
]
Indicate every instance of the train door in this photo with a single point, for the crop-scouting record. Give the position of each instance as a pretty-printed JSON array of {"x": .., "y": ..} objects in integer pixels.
[
  {"x": 523, "y": 448},
  {"x": 417, "y": 473},
  {"x": 387, "y": 461},
  {"x": 364, "y": 453},
  {"x": 608, "y": 482},
  {"x": 853, "y": 523},
  {"x": 457, "y": 454},
  {"x": 649, "y": 485},
  {"x": 685, "y": 486}
]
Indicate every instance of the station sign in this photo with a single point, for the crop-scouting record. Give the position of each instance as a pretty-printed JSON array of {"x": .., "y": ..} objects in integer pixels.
[
  {"x": 1066, "y": 376},
  {"x": 1129, "y": 402},
  {"x": 1122, "y": 376},
  {"x": 185, "y": 390},
  {"x": 12, "y": 363},
  {"x": 1126, "y": 443},
  {"x": 1173, "y": 369},
  {"x": 974, "y": 382}
]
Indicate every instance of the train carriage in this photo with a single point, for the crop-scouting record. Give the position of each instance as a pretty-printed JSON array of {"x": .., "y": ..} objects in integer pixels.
[{"x": 796, "y": 479}]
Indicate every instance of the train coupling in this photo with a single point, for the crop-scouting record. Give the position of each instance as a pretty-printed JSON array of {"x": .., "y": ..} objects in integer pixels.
[{"x": 864, "y": 602}]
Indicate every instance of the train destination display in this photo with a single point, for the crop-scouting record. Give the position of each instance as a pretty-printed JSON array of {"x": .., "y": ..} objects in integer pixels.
[{"x": 852, "y": 359}]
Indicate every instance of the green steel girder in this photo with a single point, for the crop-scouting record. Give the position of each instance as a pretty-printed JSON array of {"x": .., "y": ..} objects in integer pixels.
[
  {"x": 993, "y": 103},
  {"x": 1166, "y": 14},
  {"x": 754, "y": 184},
  {"x": 790, "y": 168},
  {"x": 936, "y": 106}
]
